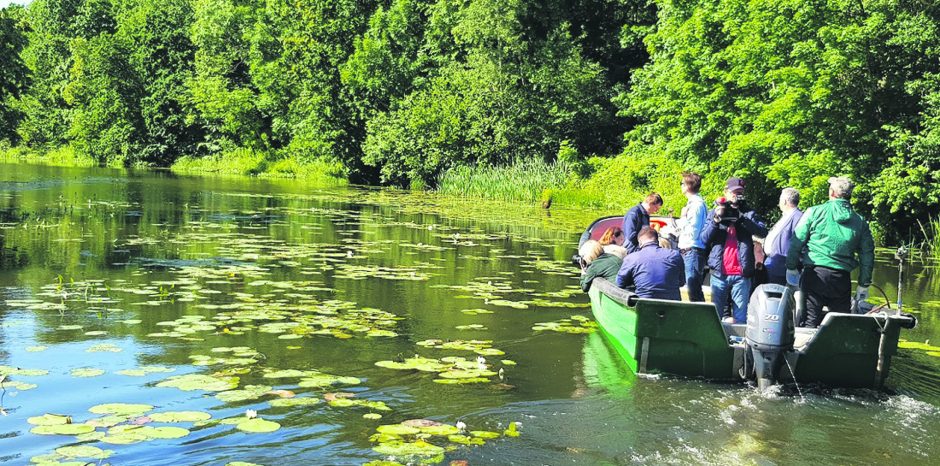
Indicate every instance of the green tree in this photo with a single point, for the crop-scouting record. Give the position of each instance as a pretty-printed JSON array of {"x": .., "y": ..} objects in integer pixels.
[
  {"x": 496, "y": 96},
  {"x": 52, "y": 24},
  {"x": 297, "y": 49},
  {"x": 160, "y": 53},
  {"x": 789, "y": 92},
  {"x": 221, "y": 89},
  {"x": 102, "y": 91},
  {"x": 13, "y": 72}
]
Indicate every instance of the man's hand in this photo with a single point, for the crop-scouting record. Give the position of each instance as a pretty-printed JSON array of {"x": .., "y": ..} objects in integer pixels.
[
  {"x": 861, "y": 294},
  {"x": 719, "y": 213},
  {"x": 793, "y": 277}
]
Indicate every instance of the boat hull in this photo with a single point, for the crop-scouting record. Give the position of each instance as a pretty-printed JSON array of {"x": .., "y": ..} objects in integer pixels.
[{"x": 688, "y": 339}]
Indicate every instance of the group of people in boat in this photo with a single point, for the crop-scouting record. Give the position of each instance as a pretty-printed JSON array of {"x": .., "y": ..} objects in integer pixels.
[{"x": 816, "y": 250}]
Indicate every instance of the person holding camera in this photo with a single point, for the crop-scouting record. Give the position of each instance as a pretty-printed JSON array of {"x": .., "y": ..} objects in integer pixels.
[
  {"x": 831, "y": 240},
  {"x": 636, "y": 218},
  {"x": 729, "y": 239}
]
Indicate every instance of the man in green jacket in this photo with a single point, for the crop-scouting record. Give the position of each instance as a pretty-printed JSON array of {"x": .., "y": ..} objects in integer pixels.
[{"x": 831, "y": 240}]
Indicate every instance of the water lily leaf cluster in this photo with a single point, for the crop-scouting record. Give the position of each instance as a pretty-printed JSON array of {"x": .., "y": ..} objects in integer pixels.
[
  {"x": 575, "y": 324},
  {"x": 450, "y": 370},
  {"x": 424, "y": 440}
]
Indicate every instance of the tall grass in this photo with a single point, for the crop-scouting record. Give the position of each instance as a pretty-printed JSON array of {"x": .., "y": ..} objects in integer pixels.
[
  {"x": 529, "y": 181},
  {"x": 930, "y": 244},
  {"x": 65, "y": 156},
  {"x": 247, "y": 162}
]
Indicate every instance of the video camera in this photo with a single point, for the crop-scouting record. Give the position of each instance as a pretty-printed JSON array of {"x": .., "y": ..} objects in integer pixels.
[{"x": 727, "y": 210}]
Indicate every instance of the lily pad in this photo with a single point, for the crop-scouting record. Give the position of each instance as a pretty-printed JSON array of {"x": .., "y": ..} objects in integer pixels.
[
  {"x": 49, "y": 420},
  {"x": 84, "y": 451},
  {"x": 166, "y": 432},
  {"x": 86, "y": 372},
  {"x": 208, "y": 383},
  {"x": 406, "y": 449},
  {"x": 120, "y": 409},
  {"x": 180, "y": 416},
  {"x": 397, "y": 430},
  {"x": 290, "y": 402},
  {"x": 257, "y": 425},
  {"x": 10, "y": 370},
  {"x": 63, "y": 429}
]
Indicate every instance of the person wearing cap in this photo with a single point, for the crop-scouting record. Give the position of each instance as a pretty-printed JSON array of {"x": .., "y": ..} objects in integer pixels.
[
  {"x": 690, "y": 225},
  {"x": 597, "y": 263},
  {"x": 728, "y": 235},
  {"x": 829, "y": 242},
  {"x": 777, "y": 242},
  {"x": 636, "y": 218},
  {"x": 652, "y": 271}
]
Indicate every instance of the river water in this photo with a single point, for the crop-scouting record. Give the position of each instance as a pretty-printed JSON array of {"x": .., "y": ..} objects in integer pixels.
[{"x": 125, "y": 287}]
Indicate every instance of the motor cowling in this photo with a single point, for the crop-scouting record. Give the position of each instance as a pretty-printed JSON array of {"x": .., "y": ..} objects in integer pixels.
[{"x": 769, "y": 334}]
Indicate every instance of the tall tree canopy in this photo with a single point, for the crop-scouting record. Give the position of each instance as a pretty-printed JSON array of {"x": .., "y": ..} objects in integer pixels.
[{"x": 783, "y": 92}]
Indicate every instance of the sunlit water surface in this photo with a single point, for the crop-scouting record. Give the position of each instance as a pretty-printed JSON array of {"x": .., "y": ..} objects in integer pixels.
[{"x": 113, "y": 282}]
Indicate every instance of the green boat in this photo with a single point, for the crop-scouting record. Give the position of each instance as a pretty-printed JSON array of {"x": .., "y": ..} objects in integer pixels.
[{"x": 688, "y": 339}]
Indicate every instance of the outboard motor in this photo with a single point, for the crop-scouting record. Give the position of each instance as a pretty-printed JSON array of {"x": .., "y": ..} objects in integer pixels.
[{"x": 769, "y": 333}]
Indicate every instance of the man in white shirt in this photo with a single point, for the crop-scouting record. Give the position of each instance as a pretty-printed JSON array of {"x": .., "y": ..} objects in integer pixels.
[{"x": 690, "y": 228}]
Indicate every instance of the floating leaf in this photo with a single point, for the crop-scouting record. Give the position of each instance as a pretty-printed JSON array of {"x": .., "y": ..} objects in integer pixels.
[
  {"x": 372, "y": 416},
  {"x": 180, "y": 416},
  {"x": 9, "y": 370},
  {"x": 104, "y": 348},
  {"x": 417, "y": 448},
  {"x": 208, "y": 383},
  {"x": 86, "y": 372},
  {"x": 121, "y": 409},
  {"x": 290, "y": 402},
  {"x": 84, "y": 451},
  {"x": 250, "y": 392},
  {"x": 166, "y": 432},
  {"x": 36, "y": 349},
  {"x": 257, "y": 425},
  {"x": 63, "y": 429},
  {"x": 49, "y": 420},
  {"x": 397, "y": 430}
]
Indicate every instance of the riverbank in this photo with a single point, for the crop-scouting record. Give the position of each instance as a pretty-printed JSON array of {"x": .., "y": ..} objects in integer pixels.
[{"x": 602, "y": 185}]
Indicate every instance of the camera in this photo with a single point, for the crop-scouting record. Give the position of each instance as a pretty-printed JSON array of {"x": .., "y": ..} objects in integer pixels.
[{"x": 726, "y": 210}]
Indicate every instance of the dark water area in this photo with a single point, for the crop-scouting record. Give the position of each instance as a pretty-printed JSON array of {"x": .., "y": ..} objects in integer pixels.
[{"x": 116, "y": 286}]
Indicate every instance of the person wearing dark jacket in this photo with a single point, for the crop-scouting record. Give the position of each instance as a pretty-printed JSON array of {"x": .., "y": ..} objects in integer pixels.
[
  {"x": 652, "y": 271},
  {"x": 595, "y": 263},
  {"x": 831, "y": 240},
  {"x": 638, "y": 217},
  {"x": 728, "y": 237}
]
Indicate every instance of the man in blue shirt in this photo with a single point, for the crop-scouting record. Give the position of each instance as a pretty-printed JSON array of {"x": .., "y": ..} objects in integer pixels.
[
  {"x": 652, "y": 271},
  {"x": 777, "y": 242},
  {"x": 636, "y": 218}
]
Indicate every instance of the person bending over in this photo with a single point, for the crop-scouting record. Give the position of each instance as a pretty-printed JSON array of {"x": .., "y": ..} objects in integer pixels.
[
  {"x": 638, "y": 217},
  {"x": 652, "y": 271},
  {"x": 597, "y": 263}
]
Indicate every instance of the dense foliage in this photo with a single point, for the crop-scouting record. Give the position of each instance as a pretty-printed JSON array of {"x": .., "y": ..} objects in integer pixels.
[{"x": 783, "y": 92}]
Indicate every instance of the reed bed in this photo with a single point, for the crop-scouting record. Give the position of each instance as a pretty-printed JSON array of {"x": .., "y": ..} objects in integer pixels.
[{"x": 523, "y": 182}]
